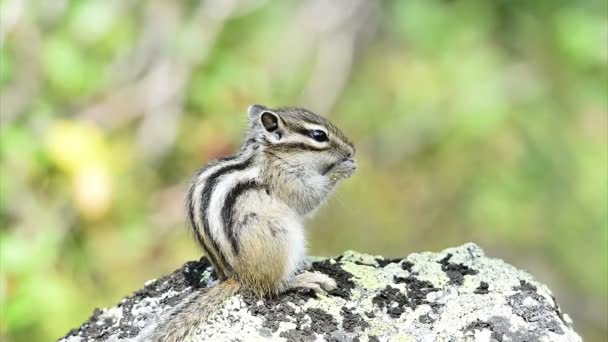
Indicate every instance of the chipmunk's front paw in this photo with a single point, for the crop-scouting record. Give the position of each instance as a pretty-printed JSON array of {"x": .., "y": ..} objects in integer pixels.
[{"x": 343, "y": 170}]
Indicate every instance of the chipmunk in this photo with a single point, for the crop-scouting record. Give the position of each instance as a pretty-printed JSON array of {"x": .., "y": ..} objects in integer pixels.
[{"x": 247, "y": 211}]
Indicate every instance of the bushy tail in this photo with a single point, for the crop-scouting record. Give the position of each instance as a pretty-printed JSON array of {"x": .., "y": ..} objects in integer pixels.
[{"x": 193, "y": 312}]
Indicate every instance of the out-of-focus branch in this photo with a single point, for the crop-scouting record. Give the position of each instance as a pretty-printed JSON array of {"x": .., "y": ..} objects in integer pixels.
[
  {"x": 24, "y": 87},
  {"x": 11, "y": 12},
  {"x": 329, "y": 31},
  {"x": 157, "y": 96}
]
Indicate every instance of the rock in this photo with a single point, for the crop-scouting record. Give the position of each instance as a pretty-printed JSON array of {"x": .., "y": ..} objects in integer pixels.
[{"x": 456, "y": 295}]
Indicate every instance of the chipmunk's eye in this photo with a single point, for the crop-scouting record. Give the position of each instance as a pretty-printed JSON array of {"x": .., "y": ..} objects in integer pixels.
[{"x": 318, "y": 135}]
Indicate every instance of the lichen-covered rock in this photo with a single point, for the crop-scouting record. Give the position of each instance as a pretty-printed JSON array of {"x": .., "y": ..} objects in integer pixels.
[{"x": 456, "y": 295}]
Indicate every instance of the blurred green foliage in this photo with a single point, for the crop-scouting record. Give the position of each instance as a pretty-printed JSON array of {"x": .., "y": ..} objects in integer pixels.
[{"x": 474, "y": 121}]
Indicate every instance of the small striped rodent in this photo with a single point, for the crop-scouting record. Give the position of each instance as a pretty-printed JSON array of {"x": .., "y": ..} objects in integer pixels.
[{"x": 247, "y": 211}]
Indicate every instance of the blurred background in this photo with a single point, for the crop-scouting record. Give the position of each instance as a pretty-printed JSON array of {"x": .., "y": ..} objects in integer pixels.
[{"x": 480, "y": 121}]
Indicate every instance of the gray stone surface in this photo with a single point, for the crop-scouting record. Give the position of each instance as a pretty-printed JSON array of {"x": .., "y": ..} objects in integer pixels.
[{"x": 455, "y": 295}]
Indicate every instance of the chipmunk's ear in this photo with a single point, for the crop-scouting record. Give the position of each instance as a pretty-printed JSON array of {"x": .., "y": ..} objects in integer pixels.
[
  {"x": 270, "y": 121},
  {"x": 267, "y": 119},
  {"x": 254, "y": 111}
]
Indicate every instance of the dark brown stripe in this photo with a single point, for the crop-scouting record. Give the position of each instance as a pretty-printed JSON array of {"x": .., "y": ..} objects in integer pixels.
[
  {"x": 228, "y": 211},
  {"x": 192, "y": 223},
  {"x": 210, "y": 184},
  {"x": 301, "y": 130}
]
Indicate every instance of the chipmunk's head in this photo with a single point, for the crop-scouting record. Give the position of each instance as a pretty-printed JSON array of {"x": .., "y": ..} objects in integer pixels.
[{"x": 301, "y": 142}]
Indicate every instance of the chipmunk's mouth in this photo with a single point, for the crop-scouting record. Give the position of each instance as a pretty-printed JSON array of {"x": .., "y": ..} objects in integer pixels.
[{"x": 332, "y": 166}]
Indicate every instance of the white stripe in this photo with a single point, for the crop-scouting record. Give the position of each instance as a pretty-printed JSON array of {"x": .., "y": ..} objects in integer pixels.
[
  {"x": 201, "y": 181},
  {"x": 296, "y": 138},
  {"x": 223, "y": 187}
]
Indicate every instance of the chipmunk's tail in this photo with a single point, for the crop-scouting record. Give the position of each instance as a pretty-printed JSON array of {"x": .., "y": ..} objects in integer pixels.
[{"x": 193, "y": 312}]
